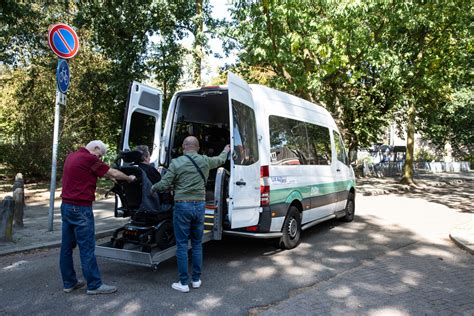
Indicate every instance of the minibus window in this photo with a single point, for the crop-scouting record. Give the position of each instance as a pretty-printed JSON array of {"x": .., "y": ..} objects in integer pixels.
[
  {"x": 287, "y": 141},
  {"x": 142, "y": 130},
  {"x": 340, "y": 151},
  {"x": 319, "y": 144},
  {"x": 294, "y": 142},
  {"x": 245, "y": 134}
]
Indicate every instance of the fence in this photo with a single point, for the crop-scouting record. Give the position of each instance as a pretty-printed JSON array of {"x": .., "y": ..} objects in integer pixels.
[{"x": 384, "y": 169}]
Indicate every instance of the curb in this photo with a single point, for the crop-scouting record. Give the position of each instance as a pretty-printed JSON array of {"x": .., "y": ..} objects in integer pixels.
[
  {"x": 460, "y": 243},
  {"x": 51, "y": 244}
]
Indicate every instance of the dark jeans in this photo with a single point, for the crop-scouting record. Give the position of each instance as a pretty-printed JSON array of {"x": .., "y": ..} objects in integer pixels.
[
  {"x": 188, "y": 222},
  {"x": 78, "y": 228}
]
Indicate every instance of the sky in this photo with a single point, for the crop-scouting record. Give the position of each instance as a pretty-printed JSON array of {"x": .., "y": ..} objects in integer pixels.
[
  {"x": 219, "y": 10},
  {"x": 211, "y": 64}
]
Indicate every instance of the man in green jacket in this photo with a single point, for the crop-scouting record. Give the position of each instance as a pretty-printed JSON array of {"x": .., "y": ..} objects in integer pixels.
[{"x": 189, "y": 204}]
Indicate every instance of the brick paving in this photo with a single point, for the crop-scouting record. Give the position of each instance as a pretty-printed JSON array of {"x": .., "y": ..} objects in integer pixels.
[
  {"x": 430, "y": 276},
  {"x": 420, "y": 279}
]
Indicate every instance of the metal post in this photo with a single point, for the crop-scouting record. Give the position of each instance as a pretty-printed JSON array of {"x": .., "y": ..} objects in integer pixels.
[{"x": 52, "y": 188}]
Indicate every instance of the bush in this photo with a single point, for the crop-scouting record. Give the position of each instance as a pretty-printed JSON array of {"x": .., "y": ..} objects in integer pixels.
[
  {"x": 32, "y": 160},
  {"x": 424, "y": 155}
]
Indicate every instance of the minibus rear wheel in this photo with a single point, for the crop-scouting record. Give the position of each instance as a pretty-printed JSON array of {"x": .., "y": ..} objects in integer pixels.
[{"x": 291, "y": 229}]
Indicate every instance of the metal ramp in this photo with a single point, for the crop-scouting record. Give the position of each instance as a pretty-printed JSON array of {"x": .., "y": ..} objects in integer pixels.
[{"x": 131, "y": 253}]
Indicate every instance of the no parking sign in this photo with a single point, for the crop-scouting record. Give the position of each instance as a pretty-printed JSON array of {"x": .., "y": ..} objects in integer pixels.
[{"x": 63, "y": 40}]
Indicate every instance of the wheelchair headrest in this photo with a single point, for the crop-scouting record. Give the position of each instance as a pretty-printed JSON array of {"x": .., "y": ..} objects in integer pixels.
[{"x": 133, "y": 156}]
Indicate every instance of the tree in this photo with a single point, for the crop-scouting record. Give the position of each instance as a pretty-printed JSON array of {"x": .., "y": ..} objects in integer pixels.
[
  {"x": 452, "y": 123},
  {"x": 430, "y": 45},
  {"x": 369, "y": 62},
  {"x": 325, "y": 52},
  {"x": 117, "y": 46}
]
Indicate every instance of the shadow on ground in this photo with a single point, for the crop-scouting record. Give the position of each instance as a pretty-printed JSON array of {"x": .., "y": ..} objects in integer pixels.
[
  {"x": 347, "y": 270},
  {"x": 453, "y": 190}
]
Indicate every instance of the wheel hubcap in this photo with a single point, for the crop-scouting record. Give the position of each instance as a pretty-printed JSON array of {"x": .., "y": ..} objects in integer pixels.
[{"x": 292, "y": 228}]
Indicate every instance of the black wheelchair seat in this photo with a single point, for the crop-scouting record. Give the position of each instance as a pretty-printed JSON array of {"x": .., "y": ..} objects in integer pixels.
[{"x": 150, "y": 219}]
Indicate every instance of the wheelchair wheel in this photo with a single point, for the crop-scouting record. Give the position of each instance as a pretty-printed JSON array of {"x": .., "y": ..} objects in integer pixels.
[
  {"x": 164, "y": 235},
  {"x": 118, "y": 243},
  {"x": 146, "y": 248}
]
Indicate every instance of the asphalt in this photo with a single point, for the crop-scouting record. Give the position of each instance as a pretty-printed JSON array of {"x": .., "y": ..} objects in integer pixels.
[{"x": 36, "y": 235}]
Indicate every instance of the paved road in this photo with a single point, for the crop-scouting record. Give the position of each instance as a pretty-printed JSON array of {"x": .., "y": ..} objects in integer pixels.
[{"x": 395, "y": 258}]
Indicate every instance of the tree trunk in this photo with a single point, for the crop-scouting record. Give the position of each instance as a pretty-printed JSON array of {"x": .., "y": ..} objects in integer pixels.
[
  {"x": 408, "y": 166},
  {"x": 198, "y": 42}
]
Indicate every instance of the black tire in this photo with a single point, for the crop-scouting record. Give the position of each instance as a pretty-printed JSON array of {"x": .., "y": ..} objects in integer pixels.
[
  {"x": 350, "y": 209},
  {"x": 146, "y": 248},
  {"x": 291, "y": 230},
  {"x": 118, "y": 243},
  {"x": 164, "y": 236}
]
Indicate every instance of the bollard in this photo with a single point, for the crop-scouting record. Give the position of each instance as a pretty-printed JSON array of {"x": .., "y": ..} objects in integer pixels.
[
  {"x": 6, "y": 219},
  {"x": 19, "y": 199}
]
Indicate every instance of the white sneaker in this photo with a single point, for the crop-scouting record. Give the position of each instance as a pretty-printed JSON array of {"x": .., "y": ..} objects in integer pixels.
[
  {"x": 179, "y": 287},
  {"x": 103, "y": 289},
  {"x": 197, "y": 284}
]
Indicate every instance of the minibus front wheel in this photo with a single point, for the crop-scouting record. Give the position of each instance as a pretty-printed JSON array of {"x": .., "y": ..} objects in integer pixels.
[
  {"x": 291, "y": 229},
  {"x": 350, "y": 209}
]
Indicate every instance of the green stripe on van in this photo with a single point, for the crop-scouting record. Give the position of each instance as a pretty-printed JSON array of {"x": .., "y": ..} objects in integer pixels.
[{"x": 308, "y": 191}]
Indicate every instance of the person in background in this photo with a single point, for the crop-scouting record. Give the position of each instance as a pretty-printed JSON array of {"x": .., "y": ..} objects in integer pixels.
[
  {"x": 79, "y": 180},
  {"x": 188, "y": 174}
]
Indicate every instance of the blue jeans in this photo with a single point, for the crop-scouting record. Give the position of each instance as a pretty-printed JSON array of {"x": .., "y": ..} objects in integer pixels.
[
  {"x": 188, "y": 222},
  {"x": 78, "y": 229}
]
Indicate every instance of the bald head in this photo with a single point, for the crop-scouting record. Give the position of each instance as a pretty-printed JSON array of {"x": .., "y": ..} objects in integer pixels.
[{"x": 190, "y": 143}]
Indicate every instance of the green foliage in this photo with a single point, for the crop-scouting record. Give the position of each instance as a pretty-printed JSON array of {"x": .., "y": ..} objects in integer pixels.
[
  {"x": 324, "y": 51},
  {"x": 424, "y": 155},
  {"x": 120, "y": 42},
  {"x": 369, "y": 62},
  {"x": 452, "y": 123}
]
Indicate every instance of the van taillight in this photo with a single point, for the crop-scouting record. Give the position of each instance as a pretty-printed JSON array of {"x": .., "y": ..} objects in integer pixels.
[
  {"x": 251, "y": 228},
  {"x": 264, "y": 186}
]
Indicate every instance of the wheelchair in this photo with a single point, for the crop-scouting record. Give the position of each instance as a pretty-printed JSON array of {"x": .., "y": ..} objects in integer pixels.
[{"x": 151, "y": 216}]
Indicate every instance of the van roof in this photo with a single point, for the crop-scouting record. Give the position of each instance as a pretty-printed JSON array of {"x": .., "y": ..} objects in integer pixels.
[
  {"x": 271, "y": 94},
  {"x": 277, "y": 95}
]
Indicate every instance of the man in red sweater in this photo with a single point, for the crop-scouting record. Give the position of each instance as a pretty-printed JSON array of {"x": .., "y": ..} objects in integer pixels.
[{"x": 80, "y": 173}]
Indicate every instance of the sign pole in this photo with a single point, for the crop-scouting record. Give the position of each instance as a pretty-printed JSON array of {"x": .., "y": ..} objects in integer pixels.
[
  {"x": 64, "y": 43},
  {"x": 52, "y": 188}
]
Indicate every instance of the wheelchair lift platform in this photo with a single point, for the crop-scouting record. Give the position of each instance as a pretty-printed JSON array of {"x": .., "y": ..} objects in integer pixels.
[
  {"x": 132, "y": 254},
  {"x": 213, "y": 219}
]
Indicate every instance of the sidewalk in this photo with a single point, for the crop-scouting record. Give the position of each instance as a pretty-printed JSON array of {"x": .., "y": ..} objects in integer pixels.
[
  {"x": 454, "y": 190},
  {"x": 35, "y": 234}
]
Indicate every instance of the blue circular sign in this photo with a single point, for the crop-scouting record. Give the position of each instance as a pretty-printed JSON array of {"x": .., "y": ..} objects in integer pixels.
[{"x": 62, "y": 76}]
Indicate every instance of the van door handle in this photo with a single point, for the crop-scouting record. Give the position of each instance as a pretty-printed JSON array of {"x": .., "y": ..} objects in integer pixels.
[
  {"x": 241, "y": 183},
  {"x": 338, "y": 170}
]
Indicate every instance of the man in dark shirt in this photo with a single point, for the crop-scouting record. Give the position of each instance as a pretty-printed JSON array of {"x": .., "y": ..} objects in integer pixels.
[
  {"x": 80, "y": 173},
  {"x": 145, "y": 165}
]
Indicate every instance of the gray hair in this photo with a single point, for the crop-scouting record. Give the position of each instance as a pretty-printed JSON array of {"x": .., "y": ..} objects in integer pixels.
[
  {"x": 97, "y": 143},
  {"x": 144, "y": 150}
]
